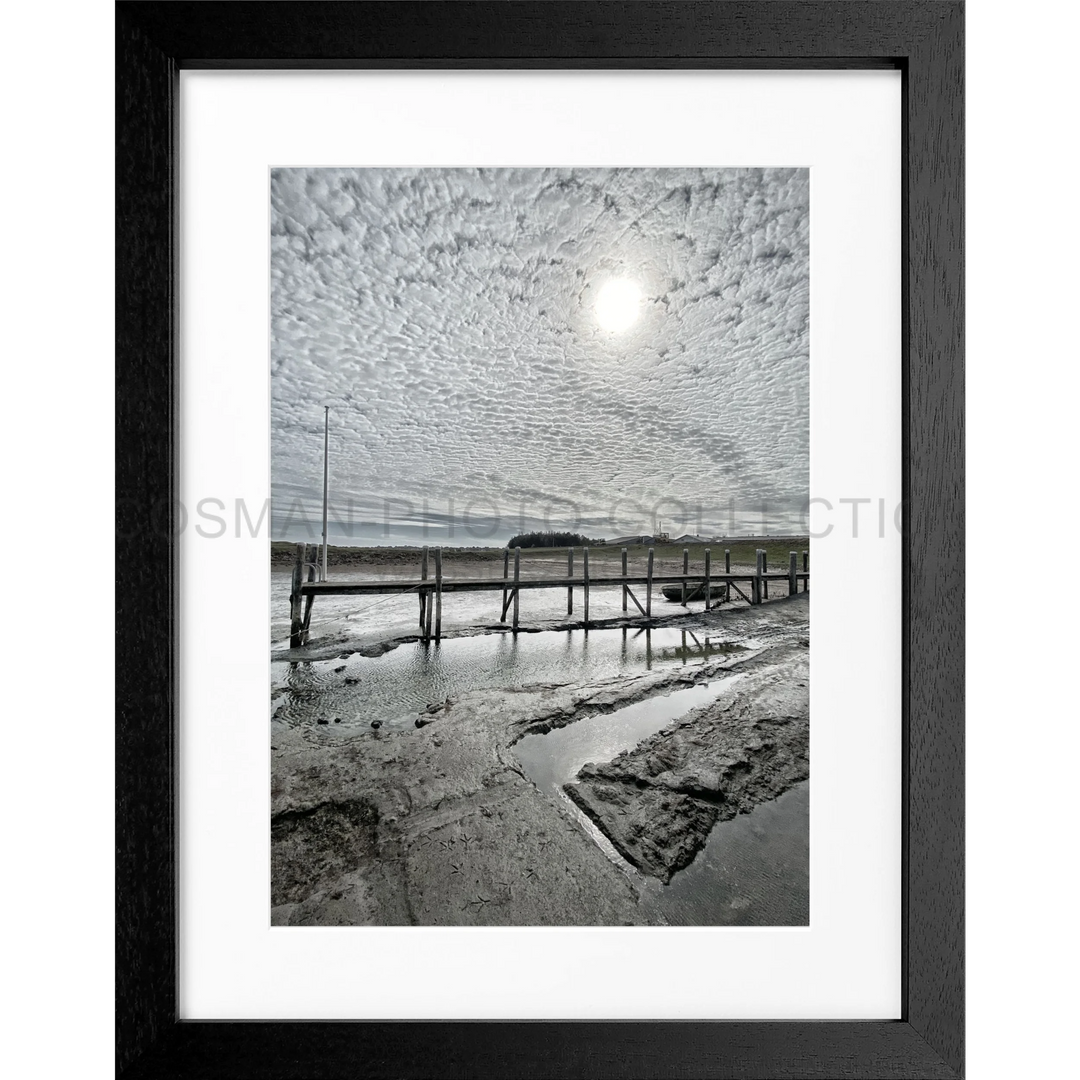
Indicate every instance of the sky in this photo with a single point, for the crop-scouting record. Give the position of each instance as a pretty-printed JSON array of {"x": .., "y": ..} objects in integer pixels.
[{"x": 608, "y": 351}]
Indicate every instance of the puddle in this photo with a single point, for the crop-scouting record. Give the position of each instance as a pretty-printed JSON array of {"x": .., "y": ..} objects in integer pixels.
[
  {"x": 753, "y": 869},
  {"x": 553, "y": 759}
]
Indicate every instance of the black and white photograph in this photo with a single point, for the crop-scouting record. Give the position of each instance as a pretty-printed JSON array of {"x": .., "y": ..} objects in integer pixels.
[
  {"x": 540, "y": 563},
  {"x": 488, "y": 382}
]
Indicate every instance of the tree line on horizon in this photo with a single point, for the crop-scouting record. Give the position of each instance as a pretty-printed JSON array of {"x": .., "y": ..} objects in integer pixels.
[{"x": 550, "y": 539}]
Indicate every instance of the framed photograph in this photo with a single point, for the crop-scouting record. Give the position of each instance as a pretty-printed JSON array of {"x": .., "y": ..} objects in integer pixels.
[{"x": 493, "y": 379}]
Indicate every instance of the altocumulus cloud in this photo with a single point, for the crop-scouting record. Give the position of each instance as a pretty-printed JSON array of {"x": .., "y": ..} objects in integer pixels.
[{"x": 448, "y": 316}]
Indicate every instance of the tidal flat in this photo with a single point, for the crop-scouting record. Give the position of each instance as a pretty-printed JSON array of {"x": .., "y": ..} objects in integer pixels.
[{"x": 623, "y": 775}]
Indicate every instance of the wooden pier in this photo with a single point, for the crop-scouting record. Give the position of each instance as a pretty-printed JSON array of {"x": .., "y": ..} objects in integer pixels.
[{"x": 429, "y": 589}]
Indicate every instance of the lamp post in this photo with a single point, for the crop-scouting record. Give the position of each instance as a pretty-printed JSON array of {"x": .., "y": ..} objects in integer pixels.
[{"x": 325, "y": 484}]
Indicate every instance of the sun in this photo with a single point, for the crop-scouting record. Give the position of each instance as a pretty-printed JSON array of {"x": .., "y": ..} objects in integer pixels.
[{"x": 618, "y": 304}]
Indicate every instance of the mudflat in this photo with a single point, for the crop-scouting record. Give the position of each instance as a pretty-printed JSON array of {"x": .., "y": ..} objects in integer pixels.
[{"x": 438, "y": 824}]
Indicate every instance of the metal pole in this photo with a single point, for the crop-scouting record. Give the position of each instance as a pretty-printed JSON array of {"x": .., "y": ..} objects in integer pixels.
[{"x": 325, "y": 484}]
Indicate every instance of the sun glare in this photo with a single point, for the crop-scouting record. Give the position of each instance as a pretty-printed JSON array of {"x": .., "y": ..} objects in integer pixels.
[{"x": 617, "y": 306}]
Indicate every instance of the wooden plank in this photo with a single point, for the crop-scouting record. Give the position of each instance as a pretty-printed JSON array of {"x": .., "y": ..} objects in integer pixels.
[
  {"x": 438, "y": 593},
  {"x": 648, "y": 585},
  {"x": 570, "y": 588},
  {"x": 630, "y": 593},
  {"x": 411, "y": 585},
  {"x": 296, "y": 620},
  {"x": 517, "y": 584},
  {"x": 585, "y": 578}
]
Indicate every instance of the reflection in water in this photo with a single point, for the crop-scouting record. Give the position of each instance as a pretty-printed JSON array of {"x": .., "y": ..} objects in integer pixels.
[
  {"x": 392, "y": 688},
  {"x": 753, "y": 871}
]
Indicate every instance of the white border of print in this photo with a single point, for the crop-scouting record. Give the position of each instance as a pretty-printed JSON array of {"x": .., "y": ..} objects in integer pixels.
[{"x": 846, "y": 127}]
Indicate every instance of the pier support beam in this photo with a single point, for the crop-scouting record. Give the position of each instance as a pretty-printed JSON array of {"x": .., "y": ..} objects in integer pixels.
[
  {"x": 792, "y": 570},
  {"x": 506, "y": 574},
  {"x": 429, "y": 607},
  {"x": 423, "y": 594},
  {"x": 748, "y": 599},
  {"x": 708, "y": 578},
  {"x": 517, "y": 578},
  {"x": 648, "y": 584},
  {"x": 764, "y": 570},
  {"x": 310, "y": 557},
  {"x": 806, "y": 569},
  {"x": 438, "y": 593},
  {"x": 685, "y": 570},
  {"x": 625, "y": 588},
  {"x": 637, "y": 603},
  {"x": 570, "y": 588},
  {"x": 756, "y": 590},
  {"x": 585, "y": 590},
  {"x": 727, "y": 571},
  {"x": 296, "y": 618}
]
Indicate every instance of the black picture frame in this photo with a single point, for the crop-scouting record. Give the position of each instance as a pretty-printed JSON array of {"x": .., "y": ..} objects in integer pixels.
[{"x": 924, "y": 39}]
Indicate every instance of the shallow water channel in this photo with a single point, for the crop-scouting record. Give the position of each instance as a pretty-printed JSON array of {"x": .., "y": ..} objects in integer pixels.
[
  {"x": 392, "y": 688},
  {"x": 754, "y": 868}
]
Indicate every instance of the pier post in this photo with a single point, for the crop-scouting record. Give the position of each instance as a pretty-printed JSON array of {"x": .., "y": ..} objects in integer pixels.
[
  {"x": 685, "y": 570},
  {"x": 792, "y": 570},
  {"x": 506, "y": 575},
  {"x": 585, "y": 565},
  {"x": 648, "y": 584},
  {"x": 624, "y": 588},
  {"x": 755, "y": 594},
  {"x": 311, "y": 573},
  {"x": 570, "y": 588},
  {"x": 429, "y": 608},
  {"x": 727, "y": 571},
  {"x": 517, "y": 579},
  {"x": 296, "y": 618},
  {"x": 764, "y": 570},
  {"x": 708, "y": 578},
  {"x": 806, "y": 569},
  {"x": 438, "y": 593},
  {"x": 423, "y": 594}
]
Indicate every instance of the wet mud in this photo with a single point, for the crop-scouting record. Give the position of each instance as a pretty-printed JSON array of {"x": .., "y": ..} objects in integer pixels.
[{"x": 439, "y": 824}]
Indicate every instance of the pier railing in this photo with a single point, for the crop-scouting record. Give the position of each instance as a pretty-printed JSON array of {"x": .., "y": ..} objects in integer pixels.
[{"x": 706, "y": 584}]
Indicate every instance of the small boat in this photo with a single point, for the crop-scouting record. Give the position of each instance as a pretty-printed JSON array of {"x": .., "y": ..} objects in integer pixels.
[{"x": 693, "y": 592}]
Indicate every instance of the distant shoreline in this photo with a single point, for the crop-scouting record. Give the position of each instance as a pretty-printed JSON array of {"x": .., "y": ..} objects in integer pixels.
[{"x": 742, "y": 548}]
